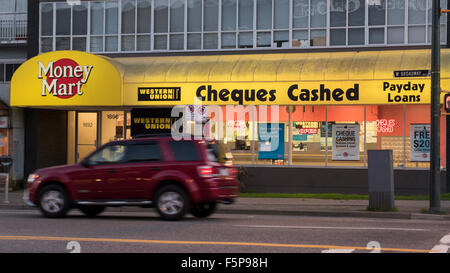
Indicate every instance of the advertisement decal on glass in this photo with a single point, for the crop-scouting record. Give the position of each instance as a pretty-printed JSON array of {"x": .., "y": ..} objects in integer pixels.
[
  {"x": 270, "y": 141},
  {"x": 345, "y": 141},
  {"x": 420, "y": 142}
]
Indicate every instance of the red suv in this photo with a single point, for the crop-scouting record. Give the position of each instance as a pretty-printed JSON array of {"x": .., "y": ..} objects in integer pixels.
[{"x": 176, "y": 177}]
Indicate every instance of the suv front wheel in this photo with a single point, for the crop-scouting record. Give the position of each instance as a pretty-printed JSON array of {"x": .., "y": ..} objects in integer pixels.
[
  {"x": 172, "y": 202},
  {"x": 53, "y": 201}
]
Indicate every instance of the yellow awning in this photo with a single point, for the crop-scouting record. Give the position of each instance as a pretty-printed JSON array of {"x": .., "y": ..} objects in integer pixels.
[
  {"x": 328, "y": 66},
  {"x": 372, "y": 71},
  {"x": 341, "y": 78}
]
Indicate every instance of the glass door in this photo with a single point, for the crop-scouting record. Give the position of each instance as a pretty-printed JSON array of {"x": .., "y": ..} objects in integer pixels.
[{"x": 86, "y": 140}]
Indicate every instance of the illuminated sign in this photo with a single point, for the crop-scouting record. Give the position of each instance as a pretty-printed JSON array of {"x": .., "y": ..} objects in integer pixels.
[
  {"x": 308, "y": 131},
  {"x": 306, "y": 127},
  {"x": 385, "y": 125}
]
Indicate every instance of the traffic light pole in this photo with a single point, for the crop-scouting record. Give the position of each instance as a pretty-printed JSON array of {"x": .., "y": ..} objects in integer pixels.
[{"x": 435, "y": 172}]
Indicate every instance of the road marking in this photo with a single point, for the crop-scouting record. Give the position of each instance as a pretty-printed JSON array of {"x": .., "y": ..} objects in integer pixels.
[
  {"x": 440, "y": 249},
  {"x": 445, "y": 240},
  {"x": 140, "y": 241},
  {"x": 338, "y": 250},
  {"x": 343, "y": 228},
  {"x": 443, "y": 246}
]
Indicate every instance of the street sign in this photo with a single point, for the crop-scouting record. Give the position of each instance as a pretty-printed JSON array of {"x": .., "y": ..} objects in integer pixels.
[{"x": 411, "y": 73}]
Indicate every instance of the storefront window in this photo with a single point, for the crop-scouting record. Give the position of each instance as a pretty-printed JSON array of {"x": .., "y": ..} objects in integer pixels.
[
  {"x": 322, "y": 135},
  {"x": 317, "y": 142},
  {"x": 3, "y": 141},
  {"x": 112, "y": 126}
]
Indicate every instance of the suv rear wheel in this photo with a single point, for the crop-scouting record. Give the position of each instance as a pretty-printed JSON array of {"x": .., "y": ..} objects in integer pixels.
[
  {"x": 53, "y": 201},
  {"x": 204, "y": 209},
  {"x": 172, "y": 202}
]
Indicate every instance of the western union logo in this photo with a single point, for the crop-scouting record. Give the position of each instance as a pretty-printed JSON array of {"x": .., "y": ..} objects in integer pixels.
[{"x": 159, "y": 93}]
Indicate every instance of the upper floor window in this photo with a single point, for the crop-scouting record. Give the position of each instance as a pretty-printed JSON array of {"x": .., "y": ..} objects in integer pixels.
[
  {"x": 13, "y": 21},
  {"x": 187, "y": 25},
  {"x": 7, "y": 70}
]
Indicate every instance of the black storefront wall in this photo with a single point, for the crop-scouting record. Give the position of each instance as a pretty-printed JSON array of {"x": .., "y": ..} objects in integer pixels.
[
  {"x": 45, "y": 139},
  {"x": 264, "y": 179}
]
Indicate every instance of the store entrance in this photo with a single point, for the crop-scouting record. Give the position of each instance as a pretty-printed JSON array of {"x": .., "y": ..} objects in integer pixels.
[
  {"x": 89, "y": 130},
  {"x": 87, "y": 136}
]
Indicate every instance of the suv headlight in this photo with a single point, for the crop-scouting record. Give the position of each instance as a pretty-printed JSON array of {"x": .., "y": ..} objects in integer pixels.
[{"x": 32, "y": 177}]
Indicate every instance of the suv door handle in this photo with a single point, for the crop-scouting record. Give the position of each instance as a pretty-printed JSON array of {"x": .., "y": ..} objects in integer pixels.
[
  {"x": 111, "y": 170},
  {"x": 154, "y": 168}
]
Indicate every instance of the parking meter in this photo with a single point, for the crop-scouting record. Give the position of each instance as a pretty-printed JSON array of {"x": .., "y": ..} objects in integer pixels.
[{"x": 6, "y": 163}]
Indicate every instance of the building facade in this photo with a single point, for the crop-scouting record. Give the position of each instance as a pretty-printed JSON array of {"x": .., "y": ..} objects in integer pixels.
[
  {"x": 13, "y": 52},
  {"x": 322, "y": 63}
]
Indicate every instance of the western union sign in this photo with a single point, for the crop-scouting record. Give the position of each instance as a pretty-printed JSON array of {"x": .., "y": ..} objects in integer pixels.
[{"x": 159, "y": 94}]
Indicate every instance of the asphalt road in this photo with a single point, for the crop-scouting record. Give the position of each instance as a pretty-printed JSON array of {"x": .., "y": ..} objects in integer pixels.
[{"x": 26, "y": 231}]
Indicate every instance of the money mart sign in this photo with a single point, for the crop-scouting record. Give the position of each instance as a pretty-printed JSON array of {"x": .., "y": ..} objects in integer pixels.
[
  {"x": 66, "y": 78},
  {"x": 63, "y": 78}
]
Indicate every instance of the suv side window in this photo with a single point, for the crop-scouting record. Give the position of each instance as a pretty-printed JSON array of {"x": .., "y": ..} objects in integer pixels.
[
  {"x": 143, "y": 152},
  {"x": 184, "y": 150},
  {"x": 109, "y": 154}
]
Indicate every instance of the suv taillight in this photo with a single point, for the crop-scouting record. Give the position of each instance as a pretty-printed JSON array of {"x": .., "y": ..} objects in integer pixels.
[
  {"x": 206, "y": 171},
  {"x": 234, "y": 172}
]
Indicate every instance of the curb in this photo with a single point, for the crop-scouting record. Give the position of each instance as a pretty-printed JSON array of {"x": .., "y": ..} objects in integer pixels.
[
  {"x": 321, "y": 213},
  {"x": 358, "y": 214}
]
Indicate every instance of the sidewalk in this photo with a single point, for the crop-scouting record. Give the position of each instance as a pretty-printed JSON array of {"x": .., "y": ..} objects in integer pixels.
[{"x": 292, "y": 206}]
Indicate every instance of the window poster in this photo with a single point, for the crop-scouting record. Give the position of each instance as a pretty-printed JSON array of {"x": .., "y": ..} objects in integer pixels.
[
  {"x": 345, "y": 142},
  {"x": 271, "y": 141},
  {"x": 420, "y": 142}
]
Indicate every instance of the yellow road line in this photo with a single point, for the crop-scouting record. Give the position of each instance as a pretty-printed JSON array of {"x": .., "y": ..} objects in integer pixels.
[{"x": 140, "y": 241}]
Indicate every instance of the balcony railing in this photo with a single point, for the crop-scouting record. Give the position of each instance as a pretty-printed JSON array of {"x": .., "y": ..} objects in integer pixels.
[{"x": 13, "y": 28}]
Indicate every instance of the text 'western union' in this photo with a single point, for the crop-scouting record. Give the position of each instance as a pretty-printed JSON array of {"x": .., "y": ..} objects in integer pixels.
[
  {"x": 159, "y": 94},
  {"x": 154, "y": 123}
]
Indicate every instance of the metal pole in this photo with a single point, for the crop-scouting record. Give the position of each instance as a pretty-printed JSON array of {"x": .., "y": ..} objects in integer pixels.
[
  {"x": 6, "y": 188},
  {"x": 404, "y": 135},
  {"x": 326, "y": 135},
  {"x": 435, "y": 206},
  {"x": 290, "y": 136},
  {"x": 253, "y": 133},
  {"x": 365, "y": 135}
]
